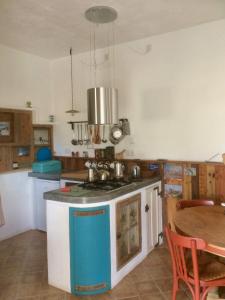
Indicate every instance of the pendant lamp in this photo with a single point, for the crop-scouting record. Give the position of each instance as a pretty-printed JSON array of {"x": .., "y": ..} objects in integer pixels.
[
  {"x": 72, "y": 111},
  {"x": 102, "y": 102}
]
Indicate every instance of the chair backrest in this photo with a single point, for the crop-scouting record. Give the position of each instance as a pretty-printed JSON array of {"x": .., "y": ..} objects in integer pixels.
[
  {"x": 181, "y": 261},
  {"x": 181, "y": 204}
]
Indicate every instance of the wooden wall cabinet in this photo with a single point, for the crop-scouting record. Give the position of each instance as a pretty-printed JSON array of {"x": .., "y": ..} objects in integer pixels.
[
  {"x": 128, "y": 229},
  {"x": 23, "y": 128},
  {"x": 15, "y": 132}
]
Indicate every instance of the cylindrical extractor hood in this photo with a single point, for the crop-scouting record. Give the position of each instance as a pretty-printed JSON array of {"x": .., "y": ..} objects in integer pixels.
[{"x": 102, "y": 104}]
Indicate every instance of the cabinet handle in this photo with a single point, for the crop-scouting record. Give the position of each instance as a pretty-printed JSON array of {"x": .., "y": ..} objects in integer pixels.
[
  {"x": 89, "y": 213},
  {"x": 146, "y": 208},
  {"x": 118, "y": 236},
  {"x": 158, "y": 192}
]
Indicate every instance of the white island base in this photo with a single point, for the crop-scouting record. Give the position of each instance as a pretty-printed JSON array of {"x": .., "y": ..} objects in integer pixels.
[{"x": 149, "y": 231}]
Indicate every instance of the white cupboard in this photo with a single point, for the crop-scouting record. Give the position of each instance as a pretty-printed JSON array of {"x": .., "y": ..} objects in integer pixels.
[
  {"x": 153, "y": 210},
  {"x": 40, "y": 187}
]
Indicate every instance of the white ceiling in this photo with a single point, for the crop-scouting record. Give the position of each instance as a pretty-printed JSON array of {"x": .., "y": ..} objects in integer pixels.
[{"x": 49, "y": 27}]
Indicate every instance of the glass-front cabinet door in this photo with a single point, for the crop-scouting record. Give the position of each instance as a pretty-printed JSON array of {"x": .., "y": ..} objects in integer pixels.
[{"x": 128, "y": 229}]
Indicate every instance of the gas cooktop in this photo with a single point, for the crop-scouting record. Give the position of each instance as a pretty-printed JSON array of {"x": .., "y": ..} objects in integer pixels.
[{"x": 107, "y": 185}]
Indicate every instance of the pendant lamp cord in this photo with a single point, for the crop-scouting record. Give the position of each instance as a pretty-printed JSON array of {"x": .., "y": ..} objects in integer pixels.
[
  {"x": 71, "y": 74},
  {"x": 95, "y": 64},
  {"x": 90, "y": 44},
  {"x": 113, "y": 54}
]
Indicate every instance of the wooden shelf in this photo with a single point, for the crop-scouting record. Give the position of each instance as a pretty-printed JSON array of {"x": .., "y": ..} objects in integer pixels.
[
  {"x": 42, "y": 145},
  {"x": 44, "y": 132}
]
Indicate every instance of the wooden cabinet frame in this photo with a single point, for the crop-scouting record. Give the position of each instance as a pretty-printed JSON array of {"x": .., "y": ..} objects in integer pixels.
[
  {"x": 19, "y": 135},
  {"x": 130, "y": 231},
  {"x": 49, "y": 133}
]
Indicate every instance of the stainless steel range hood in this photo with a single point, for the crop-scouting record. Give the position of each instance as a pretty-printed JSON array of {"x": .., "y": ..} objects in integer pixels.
[{"x": 102, "y": 105}]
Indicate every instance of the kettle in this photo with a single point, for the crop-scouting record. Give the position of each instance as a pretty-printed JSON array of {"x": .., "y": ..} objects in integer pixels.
[
  {"x": 118, "y": 168},
  {"x": 136, "y": 171}
]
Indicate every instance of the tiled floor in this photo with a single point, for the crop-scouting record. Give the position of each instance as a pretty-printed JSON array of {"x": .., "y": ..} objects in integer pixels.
[{"x": 23, "y": 274}]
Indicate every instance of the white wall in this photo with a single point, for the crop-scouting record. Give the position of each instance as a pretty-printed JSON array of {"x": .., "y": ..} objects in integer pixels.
[
  {"x": 17, "y": 203},
  {"x": 174, "y": 96},
  {"x": 25, "y": 77}
]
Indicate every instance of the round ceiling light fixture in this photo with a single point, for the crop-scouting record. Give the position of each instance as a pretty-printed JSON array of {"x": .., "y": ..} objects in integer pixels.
[{"x": 101, "y": 14}]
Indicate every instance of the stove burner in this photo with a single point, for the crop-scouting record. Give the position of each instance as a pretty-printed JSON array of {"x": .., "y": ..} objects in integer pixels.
[{"x": 108, "y": 185}]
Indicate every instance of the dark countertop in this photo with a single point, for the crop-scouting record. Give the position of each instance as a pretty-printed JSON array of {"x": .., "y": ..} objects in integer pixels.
[
  {"x": 46, "y": 176},
  {"x": 83, "y": 196}
]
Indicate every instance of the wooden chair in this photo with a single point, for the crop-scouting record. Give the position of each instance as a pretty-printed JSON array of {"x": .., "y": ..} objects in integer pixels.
[
  {"x": 198, "y": 272},
  {"x": 181, "y": 204}
]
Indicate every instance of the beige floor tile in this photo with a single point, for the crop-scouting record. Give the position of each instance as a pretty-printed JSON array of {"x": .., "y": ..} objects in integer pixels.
[
  {"x": 105, "y": 296},
  {"x": 29, "y": 298},
  {"x": 72, "y": 297},
  {"x": 28, "y": 290},
  {"x": 140, "y": 275},
  {"x": 23, "y": 274},
  {"x": 54, "y": 296},
  {"x": 147, "y": 287},
  {"x": 8, "y": 291},
  {"x": 46, "y": 289},
  {"x": 131, "y": 298},
  {"x": 126, "y": 288},
  {"x": 36, "y": 277},
  {"x": 153, "y": 296},
  {"x": 180, "y": 296},
  {"x": 165, "y": 284},
  {"x": 159, "y": 272}
]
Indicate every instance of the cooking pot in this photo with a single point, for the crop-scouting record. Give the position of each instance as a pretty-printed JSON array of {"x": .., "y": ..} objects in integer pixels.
[
  {"x": 103, "y": 175},
  {"x": 91, "y": 175}
]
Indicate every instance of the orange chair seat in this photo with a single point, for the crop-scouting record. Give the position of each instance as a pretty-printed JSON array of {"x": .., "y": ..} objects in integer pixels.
[{"x": 209, "y": 268}]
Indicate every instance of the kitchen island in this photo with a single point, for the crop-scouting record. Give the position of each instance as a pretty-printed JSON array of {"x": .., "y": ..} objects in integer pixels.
[{"x": 96, "y": 237}]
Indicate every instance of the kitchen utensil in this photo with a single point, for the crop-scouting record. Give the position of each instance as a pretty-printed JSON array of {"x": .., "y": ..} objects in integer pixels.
[
  {"x": 116, "y": 134},
  {"x": 78, "y": 133},
  {"x": 135, "y": 171},
  {"x": 86, "y": 137},
  {"x": 81, "y": 135},
  {"x": 104, "y": 140},
  {"x": 73, "y": 141},
  {"x": 125, "y": 126},
  {"x": 97, "y": 135},
  {"x": 92, "y": 134}
]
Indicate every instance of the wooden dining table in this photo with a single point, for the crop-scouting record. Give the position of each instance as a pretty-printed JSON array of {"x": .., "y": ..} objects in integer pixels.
[{"x": 206, "y": 222}]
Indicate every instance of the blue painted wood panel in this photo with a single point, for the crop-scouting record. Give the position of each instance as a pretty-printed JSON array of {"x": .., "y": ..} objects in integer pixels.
[{"x": 90, "y": 267}]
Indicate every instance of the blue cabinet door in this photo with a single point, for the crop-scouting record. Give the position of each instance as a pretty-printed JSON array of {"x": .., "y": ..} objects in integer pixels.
[{"x": 90, "y": 267}]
